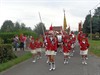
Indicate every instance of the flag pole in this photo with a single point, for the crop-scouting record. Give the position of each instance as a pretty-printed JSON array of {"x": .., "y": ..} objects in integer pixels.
[
  {"x": 64, "y": 23},
  {"x": 64, "y": 11},
  {"x": 41, "y": 22}
]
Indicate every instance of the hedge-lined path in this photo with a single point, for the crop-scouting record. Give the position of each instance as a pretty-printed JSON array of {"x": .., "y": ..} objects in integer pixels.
[{"x": 73, "y": 68}]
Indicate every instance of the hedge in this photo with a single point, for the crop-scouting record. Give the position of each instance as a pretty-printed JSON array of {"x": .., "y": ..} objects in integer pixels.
[
  {"x": 6, "y": 53},
  {"x": 7, "y": 37},
  {"x": 95, "y": 36},
  {"x": 15, "y": 61},
  {"x": 1, "y": 41}
]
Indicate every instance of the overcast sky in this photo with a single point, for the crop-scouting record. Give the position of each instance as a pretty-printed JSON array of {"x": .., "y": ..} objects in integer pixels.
[{"x": 26, "y": 11}]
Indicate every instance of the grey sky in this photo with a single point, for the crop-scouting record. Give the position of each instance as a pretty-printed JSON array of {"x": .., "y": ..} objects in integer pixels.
[{"x": 26, "y": 11}]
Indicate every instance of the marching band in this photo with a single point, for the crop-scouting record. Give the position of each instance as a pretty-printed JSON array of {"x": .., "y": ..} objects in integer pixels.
[{"x": 66, "y": 42}]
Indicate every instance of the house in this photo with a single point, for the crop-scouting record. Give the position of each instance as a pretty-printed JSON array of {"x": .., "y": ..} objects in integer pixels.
[{"x": 57, "y": 28}]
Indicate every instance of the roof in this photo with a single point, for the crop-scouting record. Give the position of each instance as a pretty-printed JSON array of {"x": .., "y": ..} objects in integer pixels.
[{"x": 57, "y": 28}]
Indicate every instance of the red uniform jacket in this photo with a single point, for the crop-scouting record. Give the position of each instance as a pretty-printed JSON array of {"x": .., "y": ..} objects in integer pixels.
[
  {"x": 66, "y": 46},
  {"x": 79, "y": 37},
  {"x": 37, "y": 44},
  {"x": 54, "y": 44},
  {"x": 48, "y": 43},
  {"x": 84, "y": 46},
  {"x": 41, "y": 44},
  {"x": 32, "y": 45}
]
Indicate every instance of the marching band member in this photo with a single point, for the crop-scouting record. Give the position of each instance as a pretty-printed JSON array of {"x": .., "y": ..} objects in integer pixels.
[
  {"x": 79, "y": 36},
  {"x": 53, "y": 48},
  {"x": 84, "y": 45},
  {"x": 59, "y": 38},
  {"x": 73, "y": 38},
  {"x": 72, "y": 41},
  {"x": 38, "y": 48},
  {"x": 66, "y": 50},
  {"x": 47, "y": 48},
  {"x": 33, "y": 49}
]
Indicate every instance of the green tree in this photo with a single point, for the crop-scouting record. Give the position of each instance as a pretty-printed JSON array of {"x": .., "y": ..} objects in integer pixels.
[
  {"x": 86, "y": 25},
  {"x": 39, "y": 28},
  {"x": 23, "y": 26},
  {"x": 95, "y": 24},
  {"x": 7, "y": 26},
  {"x": 97, "y": 11},
  {"x": 17, "y": 26},
  {"x": 95, "y": 21}
]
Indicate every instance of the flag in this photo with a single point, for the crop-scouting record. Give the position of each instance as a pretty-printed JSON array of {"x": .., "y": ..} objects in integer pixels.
[{"x": 64, "y": 23}]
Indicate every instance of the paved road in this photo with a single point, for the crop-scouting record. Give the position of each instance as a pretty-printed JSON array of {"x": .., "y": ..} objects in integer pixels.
[{"x": 73, "y": 68}]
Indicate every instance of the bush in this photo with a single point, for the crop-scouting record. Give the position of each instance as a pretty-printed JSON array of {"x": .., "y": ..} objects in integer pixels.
[
  {"x": 1, "y": 41},
  {"x": 15, "y": 61},
  {"x": 7, "y": 37},
  {"x": 6, "y": 53},
  {"x": 95, "y": 36}
]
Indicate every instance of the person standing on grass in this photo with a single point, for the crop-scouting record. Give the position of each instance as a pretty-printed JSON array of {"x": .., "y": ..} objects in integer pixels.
[
  {"x": 84, "y": 45},
  {"x": 25, "y": 37},
  {"x": 22, "y": 42},
  {"x": 15, "y": 42},
  {"x": 27, "y": 42}
]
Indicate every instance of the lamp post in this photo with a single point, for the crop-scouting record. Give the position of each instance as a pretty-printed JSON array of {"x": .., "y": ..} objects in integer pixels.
[{"x": 90, "y": 25}]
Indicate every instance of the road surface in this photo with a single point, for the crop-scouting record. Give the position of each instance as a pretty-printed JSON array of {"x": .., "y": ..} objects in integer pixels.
[{"x": 73, "y": 68}]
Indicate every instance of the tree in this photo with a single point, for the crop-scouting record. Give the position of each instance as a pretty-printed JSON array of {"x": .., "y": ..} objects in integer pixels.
[
  {"x": 86, "y": 25},
  {"x": 95, "y": 24},
  {"x": 7, "y": 26},
  {"x": 97, "y": 11},
  {"x": 39, "y": 28},
  {"x": 17, "y": 26},
  {"x": 23, "y": 26},
  {"x": 95, "y": 20}
]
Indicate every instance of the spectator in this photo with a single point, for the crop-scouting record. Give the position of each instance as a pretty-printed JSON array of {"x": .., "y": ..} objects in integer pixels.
[
  {"x": 21, "y": 42},
  {"x": 15, "y": 42},
  {"x": 27, "y": 42}
]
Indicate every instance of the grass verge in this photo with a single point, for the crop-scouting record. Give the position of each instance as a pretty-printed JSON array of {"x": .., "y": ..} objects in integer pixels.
[
  {"x": 94, "y": 47},
  {"x": 13, "y": 62}
]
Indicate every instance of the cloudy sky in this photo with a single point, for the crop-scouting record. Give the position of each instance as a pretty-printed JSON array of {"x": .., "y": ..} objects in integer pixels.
[{"x": 27, "y": 11}]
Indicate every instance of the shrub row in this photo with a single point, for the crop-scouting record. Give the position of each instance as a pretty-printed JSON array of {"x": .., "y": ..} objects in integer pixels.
[
  {"x": 7, "y": 37},
  {"x": 95, "y": 36},
  {"x": 6, "y": 53}
]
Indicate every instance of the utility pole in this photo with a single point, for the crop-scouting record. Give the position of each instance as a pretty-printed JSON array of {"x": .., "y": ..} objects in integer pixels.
[{"x": 90, "y": 25}]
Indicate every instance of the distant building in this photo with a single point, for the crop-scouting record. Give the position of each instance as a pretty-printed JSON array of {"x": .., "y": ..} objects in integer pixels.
[{"x": 56, "y": 28}]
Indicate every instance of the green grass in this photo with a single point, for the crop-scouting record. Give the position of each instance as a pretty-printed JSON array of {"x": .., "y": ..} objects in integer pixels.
[
  {"x": 13, "y": 62},
  {"x": 95, "y": 47}
]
